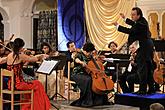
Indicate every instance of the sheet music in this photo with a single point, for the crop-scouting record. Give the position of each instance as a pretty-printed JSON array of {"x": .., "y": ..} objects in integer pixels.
[
  {"x": 111, "y": 59},
  {"x": 129, "y": 67},
  {"x": 47, "y": 66}
]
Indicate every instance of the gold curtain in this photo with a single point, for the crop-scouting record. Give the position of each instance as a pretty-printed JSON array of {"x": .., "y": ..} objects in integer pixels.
[{"x": 99, "y": 16}]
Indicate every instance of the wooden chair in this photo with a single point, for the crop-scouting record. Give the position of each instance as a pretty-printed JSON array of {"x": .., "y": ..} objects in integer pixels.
[
  {"x": 12, "y": 92},
  {"x": 69, "y": 81}
]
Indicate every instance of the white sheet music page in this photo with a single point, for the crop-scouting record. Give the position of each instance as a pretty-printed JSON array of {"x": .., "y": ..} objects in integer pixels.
[{"x": 47, "y": 66}]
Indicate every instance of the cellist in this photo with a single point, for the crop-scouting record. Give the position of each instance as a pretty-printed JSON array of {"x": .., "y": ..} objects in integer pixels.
[{"x": 84, "y": 81}]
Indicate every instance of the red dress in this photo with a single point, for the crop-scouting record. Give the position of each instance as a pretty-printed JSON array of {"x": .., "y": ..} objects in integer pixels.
[{"x": 41, "y": 101}]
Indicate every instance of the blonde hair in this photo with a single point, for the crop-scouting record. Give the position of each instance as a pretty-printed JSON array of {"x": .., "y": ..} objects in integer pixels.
[{"x": 156, "y": 106}]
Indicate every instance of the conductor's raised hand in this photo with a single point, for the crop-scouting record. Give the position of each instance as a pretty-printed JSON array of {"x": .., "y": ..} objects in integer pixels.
[
  {"x": 115, "y": 23},
  {"x": 122, "y": 15}
]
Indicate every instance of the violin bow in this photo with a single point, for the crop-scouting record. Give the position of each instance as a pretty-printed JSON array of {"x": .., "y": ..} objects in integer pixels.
[
  {"x": 99, "y": 53},
  {"x": 5, "y": 47},
  {"x": 8, "y": 42}
]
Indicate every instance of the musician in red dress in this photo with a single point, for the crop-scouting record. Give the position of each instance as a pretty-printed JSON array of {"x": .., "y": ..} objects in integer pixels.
[{"x": 15, "y": 62}]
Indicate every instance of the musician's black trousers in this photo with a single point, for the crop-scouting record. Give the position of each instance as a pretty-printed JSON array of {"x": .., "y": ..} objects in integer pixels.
[
  {"x": 126, "y": 82},
  {"x": 143, "y": 76}
]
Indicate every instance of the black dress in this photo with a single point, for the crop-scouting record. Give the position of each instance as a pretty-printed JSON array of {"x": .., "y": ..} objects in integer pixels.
[{"x": 84, "y": 81}]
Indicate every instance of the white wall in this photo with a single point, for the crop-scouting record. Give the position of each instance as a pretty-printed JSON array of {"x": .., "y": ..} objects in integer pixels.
[
  {"x": 19, "y": 22},
  {"x": 149, "y": 6}
]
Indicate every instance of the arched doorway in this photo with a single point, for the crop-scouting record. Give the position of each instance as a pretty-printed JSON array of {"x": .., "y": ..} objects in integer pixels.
[
  {"x": 4, "y": 24},
  {"x": 1, "y": 27}
]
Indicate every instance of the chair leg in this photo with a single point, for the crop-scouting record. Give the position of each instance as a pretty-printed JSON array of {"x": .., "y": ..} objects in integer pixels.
[
  {"x": 68, "y": 92},
  {"x": 1, "y": 103},
  {"x": 12, "y": 101},
  {"x": 32, "y": 95}
]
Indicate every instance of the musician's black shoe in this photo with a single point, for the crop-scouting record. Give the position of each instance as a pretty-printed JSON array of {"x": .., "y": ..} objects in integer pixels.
[
  {"x": 151, "y": 92},
  {"x": 140, "y": 92},
  {"x": 157, "y": 90},
  {"x": 109, "y": 103},
  {"x": 75, "y": 89}
]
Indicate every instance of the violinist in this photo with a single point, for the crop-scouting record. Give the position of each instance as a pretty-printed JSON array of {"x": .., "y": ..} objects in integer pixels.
[
  {"x": 70, "y": 54},
  {"x": 113, "y": 50},
  {"x": 47, "y": 49},
  {"x": 113, "y": 47},
  {"x": 2, "y": 58},
  {"x": 4, "y": 51},
  {"x": 15, "y": 62},
  {"x": 130, "y": 75},
  {"x": 84, "y": 81}
]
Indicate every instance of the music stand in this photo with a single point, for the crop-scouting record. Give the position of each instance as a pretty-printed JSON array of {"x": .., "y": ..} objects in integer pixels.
[
  {"x": 118, "y": 60},
  {"x": 159, "y": 45},
  {"x": 62, "y": 58},
  {"x": 46, "y": 67}
]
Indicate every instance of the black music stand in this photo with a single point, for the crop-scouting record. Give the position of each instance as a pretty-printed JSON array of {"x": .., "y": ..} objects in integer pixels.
[
  {"x": 118, "y": 60},
  {"x": 46, "y": 67},
  {"x": 159, "y": 45},
  {"x": 62, "y": 58}
]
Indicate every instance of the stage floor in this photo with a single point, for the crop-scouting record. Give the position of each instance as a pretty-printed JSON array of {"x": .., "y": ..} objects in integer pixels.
[{"x": 64, "y": 105}]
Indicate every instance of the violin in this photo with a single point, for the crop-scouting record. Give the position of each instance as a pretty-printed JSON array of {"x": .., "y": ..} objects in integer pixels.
[
  {"x": 101, "y": 83},
  {"x": 29, "y": 52},
  {"x": 54, "y": 54}
]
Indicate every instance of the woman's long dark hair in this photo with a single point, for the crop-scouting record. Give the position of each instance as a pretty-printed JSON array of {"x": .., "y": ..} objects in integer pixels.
[
  {"x": 17, "y": 45},
  {"x": 48, "y": 45}
]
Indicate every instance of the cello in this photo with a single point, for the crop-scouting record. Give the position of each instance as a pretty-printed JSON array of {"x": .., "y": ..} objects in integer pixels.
[
  {"x": 159, "y": 72},
  {"x": 101, "y": 83}
]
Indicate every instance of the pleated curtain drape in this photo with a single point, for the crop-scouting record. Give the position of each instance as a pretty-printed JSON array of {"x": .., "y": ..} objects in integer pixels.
[{"x": 99, "y": 15}]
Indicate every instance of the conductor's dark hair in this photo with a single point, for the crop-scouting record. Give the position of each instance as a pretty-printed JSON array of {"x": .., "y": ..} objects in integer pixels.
[
  {"x": 68, "y": 43},
  {"x": 88, "y": 47},
  {"x": 138, "y": 10}
]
